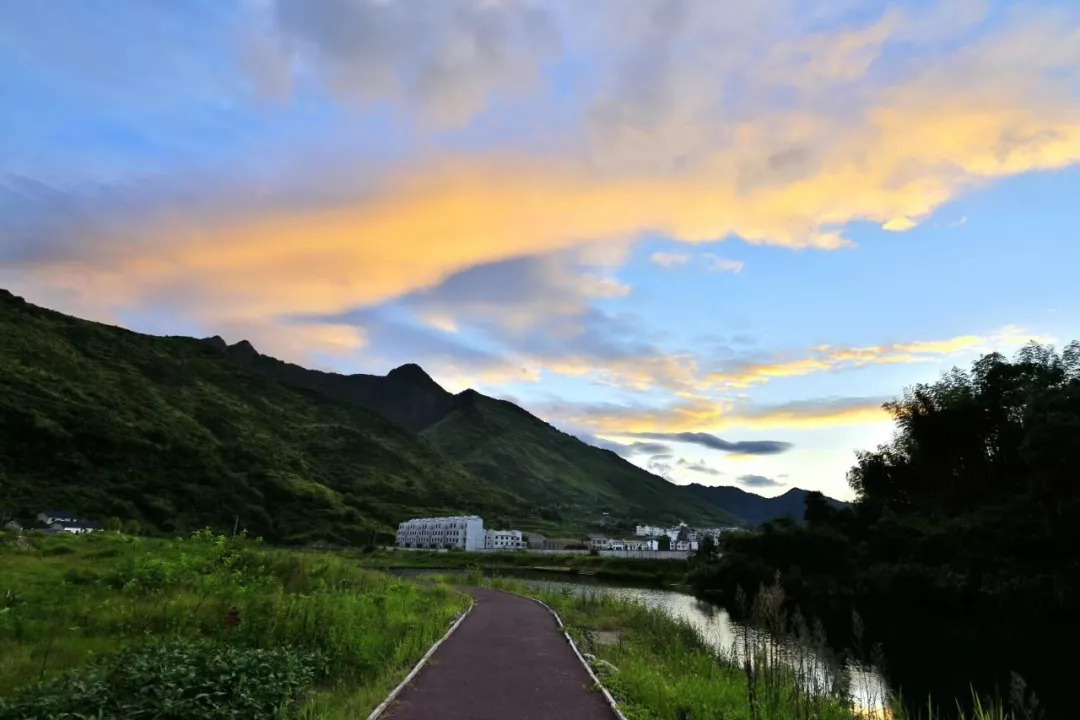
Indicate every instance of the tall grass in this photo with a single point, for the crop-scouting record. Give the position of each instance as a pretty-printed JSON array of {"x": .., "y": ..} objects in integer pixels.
[
  {"x": 660, "y": 667},
  {"x": 69, "y": 603}
]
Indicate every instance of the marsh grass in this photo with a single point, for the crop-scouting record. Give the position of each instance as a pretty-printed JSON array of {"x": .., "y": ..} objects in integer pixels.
[
  {"x": 660, "y": 667},
  {"x": 72, "y": 608}
]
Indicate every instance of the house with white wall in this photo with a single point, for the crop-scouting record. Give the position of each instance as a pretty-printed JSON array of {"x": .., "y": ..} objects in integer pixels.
[
  {"x": 503, "y": 540},
  {"x": 465, "y": 532}
]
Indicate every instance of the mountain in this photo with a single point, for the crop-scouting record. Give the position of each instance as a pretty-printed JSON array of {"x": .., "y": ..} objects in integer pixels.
[
  {"x": 755, "y": 509},
  {"x": 564, "y": 477},
  {"x": 407, "y": 395},
  {"x": 565, "y": 481},
  {"x": 173, "y": 432},
  {"x": 180, "y": 433}
]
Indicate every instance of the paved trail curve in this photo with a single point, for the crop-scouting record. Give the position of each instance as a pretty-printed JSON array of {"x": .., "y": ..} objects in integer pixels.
[{"x": 507, "y": 660}]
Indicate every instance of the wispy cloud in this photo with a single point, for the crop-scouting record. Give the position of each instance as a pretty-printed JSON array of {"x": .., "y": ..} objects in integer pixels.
[
  {"x": 745, "y": 447},
  {"x": 720, "y": 264},
  {"x": 670, "y": 259},
  {"x": 682, "y": 420},
  {"x": 700, "y": 467},
  {"x": 828, "y": 358},
  {"x": 758, "y": 481}
]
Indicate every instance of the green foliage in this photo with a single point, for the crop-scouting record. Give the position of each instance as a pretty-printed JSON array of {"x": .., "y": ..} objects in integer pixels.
[
  {"x": 167, "y": 435},
  {"x": 115, "y": 611},
  {"x": 178, "y": 680},
  {"x": 638, "y": 570},
  {"x": 971, "y": 513}
]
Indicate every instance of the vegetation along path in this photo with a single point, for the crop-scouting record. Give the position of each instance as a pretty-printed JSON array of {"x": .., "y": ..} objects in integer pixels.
[{"x": 507, "y": 659}]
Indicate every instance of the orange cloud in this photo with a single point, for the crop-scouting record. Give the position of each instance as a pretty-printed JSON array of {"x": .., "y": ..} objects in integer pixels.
[
  {"x": 701, "y": 414},
  {"x": 793, "y": 177},
  {"x": 826, "y": 358}
]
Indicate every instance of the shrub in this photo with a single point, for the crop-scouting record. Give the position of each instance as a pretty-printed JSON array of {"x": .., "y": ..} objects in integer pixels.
[{"x": 182, "y": 680}]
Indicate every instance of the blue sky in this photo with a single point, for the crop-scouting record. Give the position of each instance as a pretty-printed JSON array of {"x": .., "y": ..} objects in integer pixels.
[{"x": 724, "y": 233}]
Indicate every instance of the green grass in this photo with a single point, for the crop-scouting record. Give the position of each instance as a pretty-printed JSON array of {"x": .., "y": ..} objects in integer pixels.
[
  {"x": 639, "y": 570},
  {"x": 331, "y": 639}
]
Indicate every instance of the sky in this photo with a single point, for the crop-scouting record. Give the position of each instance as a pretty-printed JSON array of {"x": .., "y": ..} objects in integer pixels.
[{"x": 714, "y": 237}]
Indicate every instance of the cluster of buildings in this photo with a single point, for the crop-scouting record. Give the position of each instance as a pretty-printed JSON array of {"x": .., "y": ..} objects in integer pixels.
[
  {"x": 681, "y": 536},
  {"x": 464, "y": 532},
  {"x": 65, "y": 521},
  {"x": 467, "y": 532}
]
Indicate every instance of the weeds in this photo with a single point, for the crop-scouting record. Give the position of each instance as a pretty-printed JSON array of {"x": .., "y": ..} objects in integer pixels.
[{"x": 336, "y": 636}]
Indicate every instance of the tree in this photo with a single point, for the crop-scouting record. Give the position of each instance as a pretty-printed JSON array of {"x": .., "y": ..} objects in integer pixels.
[
  {"x": 707, "y": 551},
  {"x": 664, "y": 543},
  {"x": 113, "y": 524},
  {"x": 132, "y": 527}
]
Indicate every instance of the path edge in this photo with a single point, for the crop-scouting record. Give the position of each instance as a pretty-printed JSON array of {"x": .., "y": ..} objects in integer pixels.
[
  {"x": 423, "y": 661},
  {"x": 573, "y": 646}
]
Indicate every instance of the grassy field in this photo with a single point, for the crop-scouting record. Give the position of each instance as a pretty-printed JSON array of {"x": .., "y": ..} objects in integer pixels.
[
  {"x": 116, "y": 627},
  {"x": 659, "y": 668},
  {"x": 637, "y": 570}
]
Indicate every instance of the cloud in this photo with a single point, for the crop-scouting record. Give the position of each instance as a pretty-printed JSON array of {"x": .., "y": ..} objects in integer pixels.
[
  {"x": 679, "y": 259},
  {"x": 670, "y": 259},
  {"x": 757, "y": 481},
  {"x": 745, "y": 447},
  {"x": 682, "y": 419},
  {"x": 722, "y": 264},
  {"x": 681, "y": 134},
  {"x": 700, "y": 467},
  {"x": 655, "y": 449},
  {"x": 828, "y": 358},
  {"x": 444, "y": 58}
]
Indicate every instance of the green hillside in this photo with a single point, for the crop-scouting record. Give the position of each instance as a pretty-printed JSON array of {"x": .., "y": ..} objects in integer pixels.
[
  {"x": 170, "y": 432},
  {"x": 566, "y": 479}
]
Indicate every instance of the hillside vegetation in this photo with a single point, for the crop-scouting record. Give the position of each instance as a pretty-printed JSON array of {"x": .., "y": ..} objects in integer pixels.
[
  {"x": 507, "y": 446},
  {"x": 567, "y": 483},
  {"x": 167, "y": 431},
  {"x": 108, "y": 626}
]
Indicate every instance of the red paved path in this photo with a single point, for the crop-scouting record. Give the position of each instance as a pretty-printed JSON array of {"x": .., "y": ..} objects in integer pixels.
[{"x": 507, "y": 660}]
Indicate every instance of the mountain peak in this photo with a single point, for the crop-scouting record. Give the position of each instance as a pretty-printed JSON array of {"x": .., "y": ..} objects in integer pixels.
[
  {"x": 411, "y": 372},
  {"x": 216, "y": 342},
  {"x": 243, "y": 351}
]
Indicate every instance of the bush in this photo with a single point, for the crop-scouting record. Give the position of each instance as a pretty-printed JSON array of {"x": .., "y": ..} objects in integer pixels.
[{"x": 183, "y": 680}]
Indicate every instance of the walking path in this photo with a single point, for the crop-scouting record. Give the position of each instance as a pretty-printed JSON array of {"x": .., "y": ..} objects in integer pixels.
[{"x": 508, "y": 660}]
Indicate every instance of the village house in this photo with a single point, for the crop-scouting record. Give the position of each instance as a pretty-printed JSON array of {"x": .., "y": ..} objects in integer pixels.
[
  {"x": 463, "y": 532},
  {"x": 503, "y": 540}
]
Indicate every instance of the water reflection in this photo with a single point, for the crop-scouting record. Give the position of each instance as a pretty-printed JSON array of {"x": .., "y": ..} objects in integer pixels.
[{"x": 867, "y": 687}]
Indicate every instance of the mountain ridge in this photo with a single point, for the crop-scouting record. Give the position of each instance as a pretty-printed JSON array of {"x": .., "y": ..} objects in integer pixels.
[
  {"x": 506, "y": 445},
  {"x": 756, "y": 509}
]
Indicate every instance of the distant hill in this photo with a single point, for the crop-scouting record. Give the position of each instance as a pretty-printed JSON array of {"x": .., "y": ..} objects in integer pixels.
[
  {"x": 565, "y": 480},
  {"x": 179, "y": 433},
  {"x": 169, "y": 431},
  {"x": 565, "y": 477},
  {"x": 753, "y": 508}
]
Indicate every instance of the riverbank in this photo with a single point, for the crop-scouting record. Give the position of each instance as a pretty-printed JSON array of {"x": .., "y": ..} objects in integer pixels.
[
  {"x": 201, "y": 627},
  {"x": 637, "y": 570},
  {"x": 659, "y": 667}
]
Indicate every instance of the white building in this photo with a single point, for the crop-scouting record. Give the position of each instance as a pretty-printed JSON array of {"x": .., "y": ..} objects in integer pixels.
[
  {"x": 503, "y": 540},
  {"x": 54, "y": 516},
  {"x": 465, "y": 532},
  {"x": 649, "y": 531}
]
